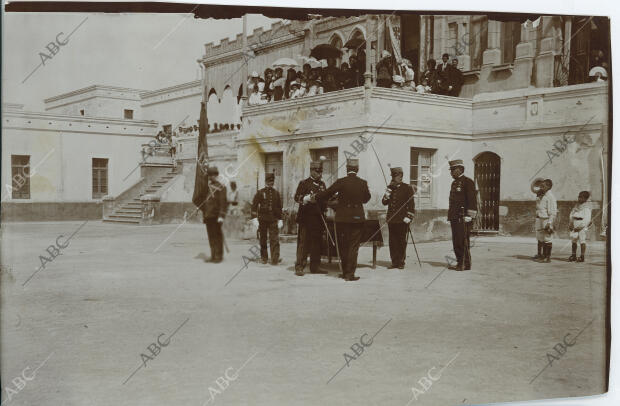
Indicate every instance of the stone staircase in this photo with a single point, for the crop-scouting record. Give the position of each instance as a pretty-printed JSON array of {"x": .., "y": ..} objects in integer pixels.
[{"x": 129, "y": 210}]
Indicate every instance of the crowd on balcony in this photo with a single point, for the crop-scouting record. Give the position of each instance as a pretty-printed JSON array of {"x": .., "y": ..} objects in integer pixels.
[
  {"x": 274, "y": 85},
  {"x": 277, "y": 84}
]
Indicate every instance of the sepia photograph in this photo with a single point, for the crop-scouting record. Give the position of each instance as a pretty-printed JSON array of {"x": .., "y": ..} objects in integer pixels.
[{"x": 210, "y": 204}]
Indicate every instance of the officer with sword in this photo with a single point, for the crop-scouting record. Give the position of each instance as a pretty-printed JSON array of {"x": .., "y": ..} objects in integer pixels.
[{"x": 462, "y": 209}]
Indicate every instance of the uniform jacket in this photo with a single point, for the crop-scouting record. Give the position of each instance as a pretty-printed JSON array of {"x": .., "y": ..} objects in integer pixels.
[
  {"x": 581, "y": 215},
  {"x": 462, "y": 196},
  {"x": 216, "y": 204},
  {"x": 267, "y": 205},
  {"x": 352, "y": 194},
  {"x": 546, "y": 206},
  {"x": 400, "y": 203},
  {"x": 310, "y": 212}
]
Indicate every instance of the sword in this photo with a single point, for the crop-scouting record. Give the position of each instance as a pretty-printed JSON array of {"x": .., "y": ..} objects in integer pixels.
[
  {"x": 465, "y": 239},
  {"x": 386, "y": 183}
]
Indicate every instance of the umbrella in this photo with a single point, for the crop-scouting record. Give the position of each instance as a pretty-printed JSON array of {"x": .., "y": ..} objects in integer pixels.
[
  {"x": 285, "y": 63},
  {"x": 324, "y": 51},
  {"x": 355, "y": 43},
  {"x": 598, "y": 69}
]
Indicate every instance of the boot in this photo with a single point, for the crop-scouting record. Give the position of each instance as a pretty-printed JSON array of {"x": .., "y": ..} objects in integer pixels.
[
  {"x": 547, "y": 252},
  {"x": 583, "y": 253},
  {"x": 573, "y": 256},
  {"x": 539, "y": 255}
]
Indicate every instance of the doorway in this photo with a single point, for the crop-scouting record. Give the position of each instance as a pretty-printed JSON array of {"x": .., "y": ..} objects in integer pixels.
[{"x": 487, "y": 169}]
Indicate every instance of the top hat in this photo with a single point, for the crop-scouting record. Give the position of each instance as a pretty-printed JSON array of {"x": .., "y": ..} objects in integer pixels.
[
  {"x": 455, "y": 163},
  {"x": 212, "y": 170}
]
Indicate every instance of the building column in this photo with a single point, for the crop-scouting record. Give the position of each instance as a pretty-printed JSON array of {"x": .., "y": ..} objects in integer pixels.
[
  {"x": 545, "y": 61},
  {"x": 524, "y": 61},
  {"x": 368, "y": 73}
]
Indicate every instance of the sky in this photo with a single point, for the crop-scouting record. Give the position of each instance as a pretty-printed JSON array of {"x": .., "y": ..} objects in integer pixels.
[{"x": 140, "y": 51}]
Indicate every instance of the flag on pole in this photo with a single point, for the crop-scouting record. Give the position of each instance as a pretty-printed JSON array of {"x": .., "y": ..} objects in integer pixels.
[{"x": 201, "y": 185}]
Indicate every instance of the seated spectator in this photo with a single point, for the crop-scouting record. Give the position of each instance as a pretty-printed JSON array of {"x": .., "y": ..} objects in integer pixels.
[
  {"x": 397, "y": 82},
  {"x": 277, "y": 86},
  {"x": 262, "y": 94},
  {"x": 356, "y": 71},
  {"x": 331, "y": 76},
  {"x": 295, "y": 94},
  {"x": 215, "y": 128},
  {"x": 253, "y": 81},
  {"x": 431, "y": 76},
  {"x": 346, "y": 76},
  {"x": 423, "y": 87},
  {"x": 385, "y": 70},
  {"x": 314, "y": 84},
  {"x": 408, "y": 74},
  {"x": 291, "y": 76},
  {"x": 268, "y": 81},
  {"x": 306, "y": 71},
  {"x": 455, "y": 79},
  {"x": 254, "y": 98}
]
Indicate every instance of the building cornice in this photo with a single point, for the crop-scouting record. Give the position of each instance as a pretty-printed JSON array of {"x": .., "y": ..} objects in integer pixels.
[
  {"x": 324, "y": 100},
  {"x": 535, "y": 130},
  {"x": 175, "y": 88},
  {"x": 518, "y": 96},
  {"x": 90, "y": 89},
  {"x": 426, "y": 98}
]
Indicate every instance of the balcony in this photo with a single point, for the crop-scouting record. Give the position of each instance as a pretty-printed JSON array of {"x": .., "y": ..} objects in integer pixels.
[{"x": 354, "y": 110}]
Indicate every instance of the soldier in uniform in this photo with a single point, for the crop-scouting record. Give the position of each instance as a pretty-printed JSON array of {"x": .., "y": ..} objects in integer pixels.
[
  {"x": 310, "y": 220},
  {"x": 401, "y": 208},
  {"x": 267, "y": 216},
  {"x": 462, "y": 209},
  {"x": 213, "y": 212},
  {"x": 352, "y": 194}
]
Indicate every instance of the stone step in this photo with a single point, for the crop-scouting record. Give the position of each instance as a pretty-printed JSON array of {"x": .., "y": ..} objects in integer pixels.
[
  {"x": 119, "y": 221},
  {"x": 128, "y": 210},
  {"x": 132, "y": 204},
  {"x": 124, "y": 216}
]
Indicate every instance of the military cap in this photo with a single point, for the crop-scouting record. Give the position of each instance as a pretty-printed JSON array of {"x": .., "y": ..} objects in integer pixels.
[
  {"x": 270, "y": 176},
  {"x": 212, "y": 170},
  {"x": 455, "y": 163},
  {"x": 396, "y": 170},
  {"x": 353, "y": 162},
  {"x": 316, "y": 164}
]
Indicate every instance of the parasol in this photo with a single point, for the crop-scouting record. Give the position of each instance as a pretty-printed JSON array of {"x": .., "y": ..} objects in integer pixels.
[
  {"x": 324, "y": 51},
  {"x": 598, "y": 69},
  {"x": 355, "y": 43},
  {"x": 285, "y": 63}
]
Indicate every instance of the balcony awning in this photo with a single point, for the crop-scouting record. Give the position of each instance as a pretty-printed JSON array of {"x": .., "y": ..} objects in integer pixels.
[{"x": 222, "y": 11}]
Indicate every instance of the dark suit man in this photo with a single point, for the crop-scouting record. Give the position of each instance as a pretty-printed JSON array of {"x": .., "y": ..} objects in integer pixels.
[
  {"x": 401, "y": 208},
  {"x": 352, "y": 194},
  {"x": 311, "y": 220},
  {"x": 213, "y": 213},
  {"x": 267, "y": 214},
  {"x": 455, "y": 79},
  {"x": 443, "y": 70},
  {"x": 462, "y": 209}
]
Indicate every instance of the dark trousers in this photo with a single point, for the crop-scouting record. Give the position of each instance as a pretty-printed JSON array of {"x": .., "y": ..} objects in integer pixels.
[
  {"x": 398, "y": 242},
  {"x": 349, "y": 237},
  {"x": 309, "y": 237},
  {"x": 216, "y": 239},
  {"x": 271, "y": 228},
  {"x": 460, "y": 241}
]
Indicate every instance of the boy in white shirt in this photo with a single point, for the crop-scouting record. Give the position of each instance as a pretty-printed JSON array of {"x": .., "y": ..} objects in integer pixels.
[{"x": 580, "y": 217}]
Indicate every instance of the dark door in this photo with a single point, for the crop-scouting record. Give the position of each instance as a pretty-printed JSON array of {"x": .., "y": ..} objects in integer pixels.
[{"x": 487, "y": 175}]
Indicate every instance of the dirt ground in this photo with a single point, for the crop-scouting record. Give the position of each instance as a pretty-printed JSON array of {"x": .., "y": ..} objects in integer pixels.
[{"x": 268, "y": 337}]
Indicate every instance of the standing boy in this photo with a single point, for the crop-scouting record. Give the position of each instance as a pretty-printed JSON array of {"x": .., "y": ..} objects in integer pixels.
[{"x": 580, "y": 217}]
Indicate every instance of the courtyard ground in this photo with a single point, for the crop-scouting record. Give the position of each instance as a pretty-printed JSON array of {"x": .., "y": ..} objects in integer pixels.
[{"x": 268, "y": 337}]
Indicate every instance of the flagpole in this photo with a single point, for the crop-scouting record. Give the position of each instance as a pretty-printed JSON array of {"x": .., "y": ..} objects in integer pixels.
[{"x": 244, "y": 66}]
